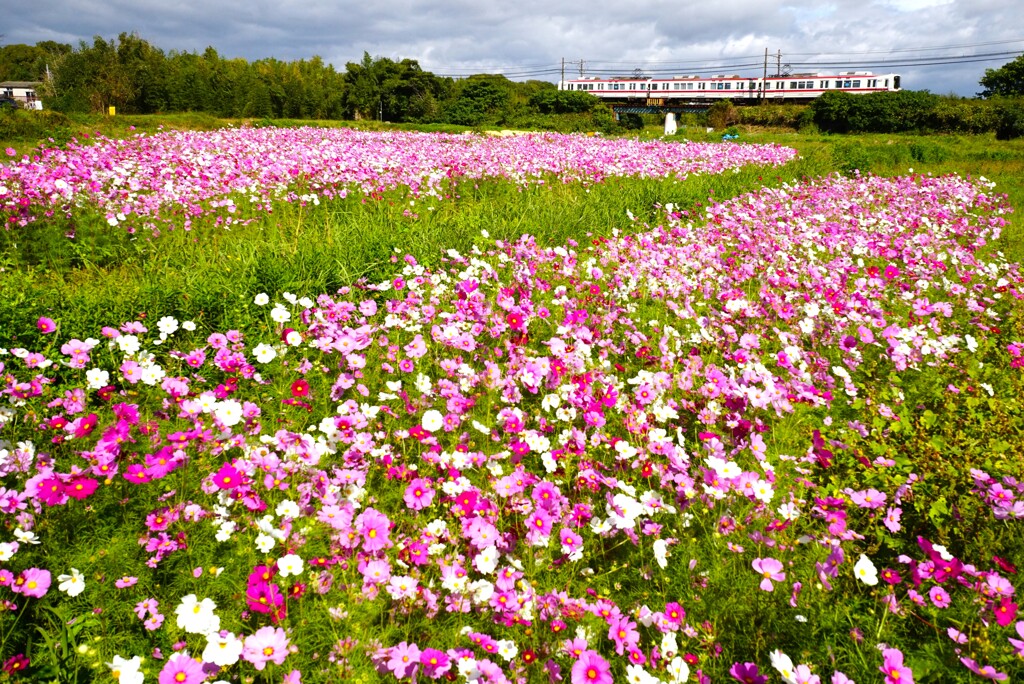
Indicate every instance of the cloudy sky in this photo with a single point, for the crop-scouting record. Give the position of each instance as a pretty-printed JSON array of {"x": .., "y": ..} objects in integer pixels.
[{"x": 530, "y": 38}]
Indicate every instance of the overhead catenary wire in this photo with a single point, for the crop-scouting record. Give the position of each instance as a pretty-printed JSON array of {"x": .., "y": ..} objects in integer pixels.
[{"x": 902, "y": 57}]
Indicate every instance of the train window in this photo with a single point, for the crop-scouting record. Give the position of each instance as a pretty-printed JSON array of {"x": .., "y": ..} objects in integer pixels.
[
  {"x": 728, "y": 86},
  {"x": 846, "y": 83},
  {"x": 856, "y": 84}
]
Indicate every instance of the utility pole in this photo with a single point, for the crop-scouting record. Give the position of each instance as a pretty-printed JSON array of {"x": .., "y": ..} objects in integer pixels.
[
  {"x": 764, "y": 79},
  {"x": 561, "y": 82},
  {"x": 778, "y": 64},
  {"x": 579, "y": 62}
]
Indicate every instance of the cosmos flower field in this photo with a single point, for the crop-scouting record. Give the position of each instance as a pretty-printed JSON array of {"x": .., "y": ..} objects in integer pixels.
[{"x": 774, "y": 440}]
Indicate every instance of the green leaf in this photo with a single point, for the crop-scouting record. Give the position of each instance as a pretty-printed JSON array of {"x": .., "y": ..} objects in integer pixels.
[{"x": 938, "y": 511}]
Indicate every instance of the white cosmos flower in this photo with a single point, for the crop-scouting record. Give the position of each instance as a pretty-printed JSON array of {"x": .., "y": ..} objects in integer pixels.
[
  {"x": 197, "y": 617},
  {"x": 97, "y": 378},
  {"x": 280, "y": 314},
  {"x": 222, "y": 650},
  {"x": 288, "y": 509},
  {"x": 264, "y": 542},
  {"x": 228, "y": 412},
  {"x": 289, "y": 565},
  {"x": 261, "y": 299},
  {"x": 167, "y": 325},
  {"x": 126, "y": 671},
  {"x": 679, "y": 670},
  {"x": 264, "y": 353},
  {"x": 866, "y": 571},
  {"x": 661, "y": 553},
  {"x": 73, "y": 584},
  {"x": 783, "y": 664},
  {"x": 487, "y": 560},
  {"x": 432, "y": 420},
  {"x": 25, "y": 536}
]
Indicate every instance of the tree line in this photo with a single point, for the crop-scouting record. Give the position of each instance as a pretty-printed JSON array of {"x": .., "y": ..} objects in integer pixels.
[{"x": 136, "y": 77}]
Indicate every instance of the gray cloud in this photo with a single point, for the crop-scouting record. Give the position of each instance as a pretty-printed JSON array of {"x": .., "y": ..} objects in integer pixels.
[{"x": 530, "y": 37}]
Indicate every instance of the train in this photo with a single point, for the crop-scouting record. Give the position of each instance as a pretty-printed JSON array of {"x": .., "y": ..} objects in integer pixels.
[{"x": 740, "y": 89}]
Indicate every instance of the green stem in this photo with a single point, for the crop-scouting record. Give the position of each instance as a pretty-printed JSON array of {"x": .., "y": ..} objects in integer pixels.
[{"x": 3, "y": 642}]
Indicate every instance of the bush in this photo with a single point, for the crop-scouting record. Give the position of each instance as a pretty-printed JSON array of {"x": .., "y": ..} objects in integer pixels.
[
  {"x": 30, "y": 125},
  {"x": 632, "y": 122},
  {"x": 723, "y": 114},
  {"x": 772, "y": 115},
  {"x": 1009, "y": 116}
]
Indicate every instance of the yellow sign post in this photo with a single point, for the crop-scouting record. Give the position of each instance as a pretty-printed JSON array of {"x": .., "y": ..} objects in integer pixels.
[{"x": 111, "y": 111}]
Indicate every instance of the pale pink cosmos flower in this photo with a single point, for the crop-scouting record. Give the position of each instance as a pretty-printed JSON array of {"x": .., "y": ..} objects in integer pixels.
[
  {"x": 267, "y": 645},
  {"x": 769, "y": 569}
]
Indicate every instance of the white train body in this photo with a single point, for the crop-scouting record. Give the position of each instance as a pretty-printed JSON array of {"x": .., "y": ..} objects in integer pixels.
[{"x": 790, "y": 87}]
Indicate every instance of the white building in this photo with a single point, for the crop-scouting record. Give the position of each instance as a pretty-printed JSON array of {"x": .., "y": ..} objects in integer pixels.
[{"x": 22, "y": 91}]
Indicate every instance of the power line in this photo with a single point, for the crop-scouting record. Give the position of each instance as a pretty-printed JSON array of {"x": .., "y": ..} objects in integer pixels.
[{"x": 669, "y": 67}]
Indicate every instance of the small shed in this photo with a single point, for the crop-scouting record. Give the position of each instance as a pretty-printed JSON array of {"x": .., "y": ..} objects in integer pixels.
[{"x": 25, "y": 92}]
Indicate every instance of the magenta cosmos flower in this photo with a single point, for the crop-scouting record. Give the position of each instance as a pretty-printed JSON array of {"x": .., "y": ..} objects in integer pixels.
[
  {"x": 268, "y": 644},
  {"x": 591, "y": 668},
  {"x": 45, "y": 325},
  {"x": 747, "y": 673},
  {"x": 769, "y": 569}
]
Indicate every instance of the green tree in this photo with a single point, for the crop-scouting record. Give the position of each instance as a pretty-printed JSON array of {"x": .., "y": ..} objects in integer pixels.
[
  {"x": 363, "y": 98},
  {"x": 20, "y": 63},
  {"x": 1007, "y": 80},
  {"x": 479, "y": 99},
  {"x": 145, "y": 68}
]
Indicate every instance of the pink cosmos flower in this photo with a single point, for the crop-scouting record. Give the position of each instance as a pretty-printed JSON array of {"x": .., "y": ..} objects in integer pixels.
[
  {"x": 570, "y": 541},
  {"x": 125, "y": 582},
  {"x": 402, "y": 659},
  {"x": 419, "y": 494},
  {"x": 769, "y": 569},
  {"x": 34, "y": 582},
  {"x": 893, "y": 668},
  {"x": 45, "y": 325},
  {"x": 623, "y": 632},
  {"x": 181, "y": 669},
  {"x": 268, "y": 644},
  {"x": 373, "y": 525},
  {"x": 986, "y": 671},
  {"x": 591, "y": 668},
  {"x": 1018, "y": 644},
  {"x": 939, "y": 597}
]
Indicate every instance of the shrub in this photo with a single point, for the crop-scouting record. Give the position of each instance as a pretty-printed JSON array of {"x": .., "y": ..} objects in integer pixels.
[{"x": 1009, "y": 116}]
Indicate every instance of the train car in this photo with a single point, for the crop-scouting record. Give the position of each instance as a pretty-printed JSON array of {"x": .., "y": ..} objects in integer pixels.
[{"x": 741, "y": 89}]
